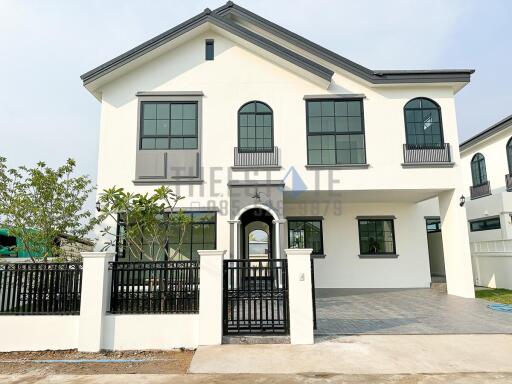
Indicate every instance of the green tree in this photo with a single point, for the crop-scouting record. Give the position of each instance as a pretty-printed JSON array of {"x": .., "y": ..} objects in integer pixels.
[
  {"x": 40, "y": 204},
  {"x": 147, "y": 222}
]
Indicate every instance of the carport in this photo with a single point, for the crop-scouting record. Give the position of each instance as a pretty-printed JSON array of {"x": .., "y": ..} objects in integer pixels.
[{"x": 404, "y": 311}]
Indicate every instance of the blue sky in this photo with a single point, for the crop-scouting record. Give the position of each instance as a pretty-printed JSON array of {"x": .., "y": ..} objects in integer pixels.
[{"x": 46, "y": 114}]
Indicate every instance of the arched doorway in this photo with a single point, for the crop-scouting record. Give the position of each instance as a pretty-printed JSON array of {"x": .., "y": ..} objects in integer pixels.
[{"x": 256, "y": 234}]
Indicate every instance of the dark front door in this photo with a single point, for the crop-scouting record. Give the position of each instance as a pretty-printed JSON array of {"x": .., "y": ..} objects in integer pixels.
[{"x": 256, "y": 235}]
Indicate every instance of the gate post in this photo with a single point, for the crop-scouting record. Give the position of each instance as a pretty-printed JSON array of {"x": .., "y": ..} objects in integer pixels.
[
  {"x": 300, "y": 296},
  {"x": 94, "y": 300},
  {"x": 210, "y": 296}
]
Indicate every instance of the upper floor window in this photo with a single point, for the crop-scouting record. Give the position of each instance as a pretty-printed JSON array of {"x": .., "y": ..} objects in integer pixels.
[
  {"x": 168, "y": 125},
  {"x": 478, "y": 171},
  {"x": 335, "y": 130},
  {"x": 255, "y": 127},
  {"x": 423, "y": 123},
  {"x": 509, "y": 156}
]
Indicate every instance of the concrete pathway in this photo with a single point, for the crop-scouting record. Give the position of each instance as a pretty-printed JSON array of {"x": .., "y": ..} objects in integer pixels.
[
  {"x": 366, "y": 354},
  {"x": 454, "y": 378},
  {"x": 404, "y": 312}
]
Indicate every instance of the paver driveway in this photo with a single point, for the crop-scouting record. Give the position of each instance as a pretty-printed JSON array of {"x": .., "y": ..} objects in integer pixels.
[{"x": 404, "y": 311}]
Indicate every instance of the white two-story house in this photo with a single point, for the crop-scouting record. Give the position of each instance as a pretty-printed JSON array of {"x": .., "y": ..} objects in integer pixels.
[
  {"x": 277, "y": 142},
  {"x": 487, "y": 163}
]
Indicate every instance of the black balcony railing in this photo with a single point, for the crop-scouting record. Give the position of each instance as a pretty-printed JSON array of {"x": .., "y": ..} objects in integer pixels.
[
  {"x": 256, "y": 157},
  {"x": 481, "y": 190},
  {"x": 431, "y": 154},
  {"x": 508, "y": 182}
]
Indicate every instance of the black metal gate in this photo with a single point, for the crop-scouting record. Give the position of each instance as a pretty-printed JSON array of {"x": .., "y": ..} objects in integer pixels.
[{"x": 256, "y": 297}]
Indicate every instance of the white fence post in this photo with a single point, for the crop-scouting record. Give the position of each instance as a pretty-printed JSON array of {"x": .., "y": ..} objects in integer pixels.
[
  {"x": 300, "y": 296},
  {"x": 210, "y": 297},
  {"x": 94, "y": 300}
]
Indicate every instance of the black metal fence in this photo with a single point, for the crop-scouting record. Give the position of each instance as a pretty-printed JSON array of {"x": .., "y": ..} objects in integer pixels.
[
  {"x": 40, "y": 288},
  {"x": 155, "y": 287},
  {"x": 256, "y": 157},
  {"x": 256, "y": 297},
  {"x": 427, "y": 154}
]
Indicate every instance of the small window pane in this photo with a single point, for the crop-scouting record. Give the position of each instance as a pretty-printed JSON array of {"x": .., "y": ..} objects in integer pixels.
[
  {"x": 149, "y": 127},
  {"x": 176, "y": 127},
  {"x": 327, "y": 108},
  {"x": 328, "y": 156},
  {"x": 248, "y": 108},
  {"x": 189, "y": 127},
  {"x": 354, "y": 124},
  {"x": 149, "y": 111},
  {"x": 315, "y": 157},
  {"x": 162, "y": 111},
  {"x": 260, "y": 107},
  {"x": 189, "y": 143},
  {"x": 162, "y": 127},
  {"x": 341, "y": 108},
  {"x": 176, "y": 143},
  {"x": 189, "y": 111},
  {"x": 162, "y": 143},
  {"x": 315, "y": 124},
  {"x": 315, "y": 142},
  {"x": 327, "y": 124},
  {"x": 354, "y": 108},
  {"x": 314, "y": 108},
  {"x": 177, "y": 111},
  {"x": 341, "y": 124},
  {"x": 148, "y": 143}
]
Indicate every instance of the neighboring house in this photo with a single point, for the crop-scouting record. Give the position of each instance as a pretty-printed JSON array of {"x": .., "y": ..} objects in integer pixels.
[
  {"x": 255, "y": 124},
  {"x": 12, "y": 248},
  {"x": 487, "y": 163}
]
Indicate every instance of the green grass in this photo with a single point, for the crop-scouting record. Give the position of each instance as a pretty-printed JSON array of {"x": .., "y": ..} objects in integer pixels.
[{"x": 503, "y": 296}]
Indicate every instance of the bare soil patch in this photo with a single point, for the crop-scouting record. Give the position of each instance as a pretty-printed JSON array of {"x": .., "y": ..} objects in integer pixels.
[{"x": 152, "y": 362}]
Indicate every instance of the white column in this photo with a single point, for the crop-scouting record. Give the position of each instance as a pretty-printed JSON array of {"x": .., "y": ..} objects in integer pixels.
[
  {"x": 94, "y": 300},
  {"x": 236, "y": 236},
  {"x": 210, "y": 297},
  {"x": 277, "y": 229},
  {"x": 299, "y": 295},
  {"x": 457, "y": 253}
]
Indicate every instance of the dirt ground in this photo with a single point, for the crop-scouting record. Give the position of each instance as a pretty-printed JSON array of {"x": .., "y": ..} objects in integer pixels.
[{"x": 154, "y": 362}]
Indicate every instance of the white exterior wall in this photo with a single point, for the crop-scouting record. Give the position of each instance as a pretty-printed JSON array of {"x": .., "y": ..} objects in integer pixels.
[
  {"x": 343, "y": 268},
  {"x": 238, "y": 75}
]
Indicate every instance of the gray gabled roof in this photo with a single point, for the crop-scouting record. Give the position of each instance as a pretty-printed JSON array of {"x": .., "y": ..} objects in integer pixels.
[
  {"x": 492, "y": 130},
  {"x": 208, "y": 16},
  {"x": 372, "y": 76},
  {"x": 221, "y": 18}
]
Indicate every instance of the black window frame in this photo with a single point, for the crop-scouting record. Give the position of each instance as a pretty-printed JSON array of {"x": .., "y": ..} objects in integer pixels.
[
  {"x": 170, "y": 136},
  {"x": 335, "y": 133},
  {"x": 359, "y": 220},
  {"x": 209, "y": 49},
  {"x": 435, "y": 222},
  {"x": 264, "y": 149},
  {"x": 478, "y": 179},
  {"x": 423, "y": 146},
  {"x": 305, "y": 220},
  {"x": 485, "y": 221},
  {"x": 508, "y": 149},
  {"x": 121, "y": 245}
]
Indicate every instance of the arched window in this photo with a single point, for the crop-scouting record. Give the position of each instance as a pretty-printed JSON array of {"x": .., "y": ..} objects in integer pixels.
[
  {"x": 255, "y": 127},
  {"x": 423, "y": 125},
  {"x": 478, "y": 172},
  {"x": 509, "y": 156}
]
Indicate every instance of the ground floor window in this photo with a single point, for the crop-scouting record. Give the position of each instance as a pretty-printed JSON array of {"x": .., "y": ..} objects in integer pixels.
[
  {"x": 433, "y": 224},
  {"x": 485, "y": 224},
  {"x": 201, "y": 233},
  {"x": 376, "y": 236},
  {"x": 306, "y": 233}
]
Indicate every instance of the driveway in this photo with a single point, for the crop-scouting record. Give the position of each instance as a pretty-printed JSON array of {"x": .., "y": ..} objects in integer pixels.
[{"x": 404, "y": 311}]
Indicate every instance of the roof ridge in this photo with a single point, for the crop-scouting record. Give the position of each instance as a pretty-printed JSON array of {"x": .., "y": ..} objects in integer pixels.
[
  {"x": 373, "y": 76},
  {"x": 494, "y": 128}
]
